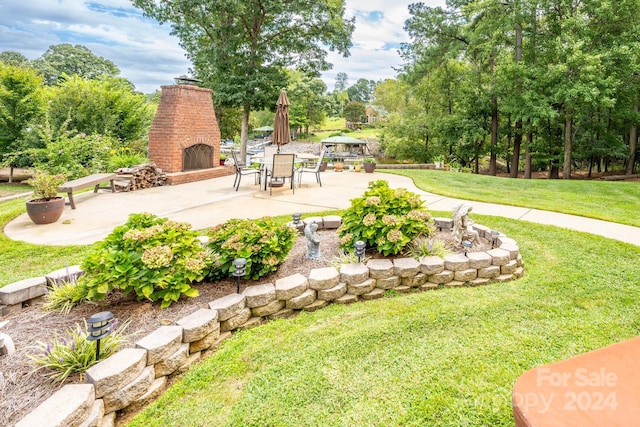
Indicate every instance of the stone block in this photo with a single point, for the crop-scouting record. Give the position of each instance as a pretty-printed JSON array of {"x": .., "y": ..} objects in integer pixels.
[
  {"x": 285, "y": 313},
  {"x": 352, "y": 274},
  {"x": 117, "y": 371},
  {"x": 259, "y": 295},
  {"x": 504, "y": 278},
  {"x": 334, "y": 293},
  {"x": 518, "y": 273},
  {"x": 500, "y": 256},
  {"x": 191, "y": 359},
  {"x": 376, "y": 293},
  {"x": 236, "y": 321},
  {"x": 454, "y": 284},
  {"x": 388, "y": 282},
  {"x": 406, "y": 267},
  {"x": 361, "y": 288},
  {"x": 291, "y": 286},
  {"x": 489, "y": 272},
  {"x": 317, "y": 219},
  {"x": 130, "y": 392},
  {"x": 443, "y": 223},
  {"x": 442, "y": 277},
  {"x": 69, "y": 406},
  {"x": 402, "y": 289},
  {"x": 303, "y": 300},
  {"x": 479, "y": 260},
  {"x": 479, "y": 282},
  {"x": 155, "y": 391},
  {"x": 509, "y": 268},
  {"x": 251, "y": 323},
  {"x": 206, "y": 342},
  {"x": 380, "y": 268},
  {"x": 24, "y": 290},
  {"x": 94, "y": 419},
  {"x": 346, "y": 299},
  {"x": 268, "y": 309},
  {"x": 171, "y": 364},
  {"x": 465, "y": 275},
  {"x": 67, "y": 274},
  {"x": 331, "y": 222},
  {"x": 520, "y": 261},
  {"x": 431, "y": 265},
  {"x": 228, "y": 306},
  {"x": 223, "y": 336},
  {"x": 325, "y": 278},
  {"x": 198, "y": 324},
  {"x": 415, "y": 281},
  {"x": 8, "y": 310},
  {"x": 482, "y": 230},
  {"x": 109, "y": 420},
  {"x": 504, "y": 240},
  {"x": 513, "y": 250},
  {"x": 429, "y": 287},
  {"x": 316, "y": 305},
  {"x": 456, "y": 262},
  {"x": 161, "y": 343}
]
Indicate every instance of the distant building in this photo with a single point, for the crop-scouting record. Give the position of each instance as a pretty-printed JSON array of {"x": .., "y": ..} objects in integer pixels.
[{"x": 372, "y": 116}]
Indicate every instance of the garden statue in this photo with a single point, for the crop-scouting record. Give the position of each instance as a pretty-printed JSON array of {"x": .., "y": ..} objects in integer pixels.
[
  {"x": 462, "y": 229},
  {"x": 313, "y": 241}
]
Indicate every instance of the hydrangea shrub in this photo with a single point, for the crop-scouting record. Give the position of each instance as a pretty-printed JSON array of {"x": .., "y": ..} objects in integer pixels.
[
  {"x": 386, "y": 219},
  {"x": 153, "y": 257},
  {"x": 264, "y": 243}
]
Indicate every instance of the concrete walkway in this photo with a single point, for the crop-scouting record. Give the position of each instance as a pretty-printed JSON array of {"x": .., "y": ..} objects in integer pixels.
[{"x": 207, "y": 203}]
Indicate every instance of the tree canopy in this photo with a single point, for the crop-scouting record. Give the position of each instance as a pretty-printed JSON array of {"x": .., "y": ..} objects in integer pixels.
[{"x": 72, "y": 60}]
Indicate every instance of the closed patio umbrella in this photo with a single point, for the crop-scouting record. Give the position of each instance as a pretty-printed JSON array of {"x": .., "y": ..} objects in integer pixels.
[{"x": 281, "y": 134}]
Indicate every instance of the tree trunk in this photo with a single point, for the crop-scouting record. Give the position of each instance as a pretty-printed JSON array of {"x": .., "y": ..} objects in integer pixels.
[
  {"x": 244, "y": 132},
  {"x": 517, "y": 140},
  {"x": 493, "y": 160},
  {"x": 568, "y": 122},
  {"x": 554, "y": 172},
  {"x": 527, "y": 156},
  {"x": 633, "y": 139}
]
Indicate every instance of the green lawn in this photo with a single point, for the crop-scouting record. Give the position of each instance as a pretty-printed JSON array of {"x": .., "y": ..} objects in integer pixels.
[
  {"x": 605, "y": 200},
  {"x": 7, "y": 189},
  {"x": 441, "y": 358}
]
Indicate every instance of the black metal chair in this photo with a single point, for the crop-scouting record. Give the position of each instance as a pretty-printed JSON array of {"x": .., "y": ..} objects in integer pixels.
[
  {"x": 282, "y": 168},
  {"x": 242, "y": 170},
  {"x": 315, "y": 169}
]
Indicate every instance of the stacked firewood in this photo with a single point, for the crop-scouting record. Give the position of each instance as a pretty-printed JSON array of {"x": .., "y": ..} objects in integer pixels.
[{"x": 139, "y": 176}]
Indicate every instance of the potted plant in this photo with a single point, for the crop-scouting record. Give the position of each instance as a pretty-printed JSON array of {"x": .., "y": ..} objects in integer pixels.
[
  {"x": 45, "y": 207},
  {"x": 357, "y": 166},
  {"x": 223, "y": 158},
  {"x": 438, "y": 161},
  {"x": 369, "y": 164},
  {"x": 338, "y": 167}
]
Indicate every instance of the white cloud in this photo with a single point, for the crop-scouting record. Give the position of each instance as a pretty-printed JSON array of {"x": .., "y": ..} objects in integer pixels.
[{"x": 149, "y": 56}]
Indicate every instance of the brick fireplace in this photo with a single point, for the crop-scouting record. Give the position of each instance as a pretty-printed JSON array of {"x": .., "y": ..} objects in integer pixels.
[{"x": 184, "y": 140}]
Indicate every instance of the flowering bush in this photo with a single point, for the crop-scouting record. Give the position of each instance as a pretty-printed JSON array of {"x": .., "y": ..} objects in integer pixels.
[
  {"x": 262, "y": 242},
  {"x": 45, "y": 186},
  {"x": 74, "y": 353},
  {"x": 385, "y": 219},
  {"x": 156, "y": 258}
]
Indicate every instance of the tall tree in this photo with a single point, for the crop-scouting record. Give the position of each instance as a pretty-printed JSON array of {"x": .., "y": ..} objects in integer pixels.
[
  {"x": 342, "y": 82},
  {"x": 240, "y": 48},
  {"x": 73, "y": 60},
  {"x": 17, "y": 59}
]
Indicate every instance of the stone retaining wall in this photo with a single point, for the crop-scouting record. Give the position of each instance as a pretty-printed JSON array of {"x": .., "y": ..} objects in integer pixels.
[{"x": 133, "y": 377}]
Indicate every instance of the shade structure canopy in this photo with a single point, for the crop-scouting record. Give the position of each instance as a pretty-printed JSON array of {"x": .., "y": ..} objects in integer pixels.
[
  {"x": 281, "y": 133},
  {"x": 264, "y": 129},
  {"x": 343, "y": 139}
]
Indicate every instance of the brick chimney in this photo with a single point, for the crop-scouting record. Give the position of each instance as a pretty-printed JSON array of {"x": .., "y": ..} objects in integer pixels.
[{"x": 184, "y": 140}]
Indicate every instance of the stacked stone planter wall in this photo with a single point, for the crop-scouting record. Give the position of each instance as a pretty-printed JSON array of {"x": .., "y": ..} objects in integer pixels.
[{"x": 133, "y": 377}]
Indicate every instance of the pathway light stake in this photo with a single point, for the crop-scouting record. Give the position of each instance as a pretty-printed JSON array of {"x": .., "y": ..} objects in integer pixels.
[
  {"x": 467, "y": 245},
  {"x": 99, "y": 326},
  {"x": 359, "y": 249},
  {"x": 494, "y": 238},
  {"x": 239, "y": 270}
]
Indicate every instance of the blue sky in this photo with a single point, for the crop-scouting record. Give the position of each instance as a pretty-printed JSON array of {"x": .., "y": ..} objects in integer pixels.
[{"x": 147, "y": 55}]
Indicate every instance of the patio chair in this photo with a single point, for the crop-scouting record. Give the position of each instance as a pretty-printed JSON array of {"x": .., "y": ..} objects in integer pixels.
[
  {"x": 315, "y": 169},
  {"x": 282, "y": 168},
  {"x": 242, "y": 170}
]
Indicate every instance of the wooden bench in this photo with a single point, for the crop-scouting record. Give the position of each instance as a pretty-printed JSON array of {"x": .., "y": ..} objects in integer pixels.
[{"x": 94, "y": 181}]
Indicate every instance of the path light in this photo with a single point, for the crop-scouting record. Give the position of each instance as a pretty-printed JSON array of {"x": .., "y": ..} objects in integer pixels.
[
  {"x": 467, "y": 245},
  {"x": 239, "y": 270},
  {"x": 359, "y": 248},
  {"x": 99, "y": 326},
  {"x": 494, "y": 238}
]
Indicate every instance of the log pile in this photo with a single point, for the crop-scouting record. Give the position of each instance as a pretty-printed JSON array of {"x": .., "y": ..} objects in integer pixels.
[{"x": 139, "y": 176}]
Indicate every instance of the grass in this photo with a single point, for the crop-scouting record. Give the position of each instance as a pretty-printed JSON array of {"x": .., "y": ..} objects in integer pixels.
[
  {"x": 605, "y": 200},
  {"x": 20, "y": 260},
  {"x": 7, "y": 189},
  {"x": 446, "y": 358}
]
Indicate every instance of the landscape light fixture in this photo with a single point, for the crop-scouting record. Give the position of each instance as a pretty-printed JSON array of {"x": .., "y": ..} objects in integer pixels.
[
  {"x": 494, "y": 238},
  {"x": 467, "y": 245},
  {"x": 239, "y": 270},
  {"x": 359, "y": 248},
  {"x": 99, "y": 326}
]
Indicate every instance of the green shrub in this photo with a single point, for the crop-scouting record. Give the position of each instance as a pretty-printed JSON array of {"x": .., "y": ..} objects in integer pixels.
[
  {"x": 262, "y": 242},
  {"x": 385, "y": 219},
  {"x": 74, "y": 353},
  {"x": 156, "y": 258},
  {"x": 124, "y": 158},
  {"x": 424, "y": 246},
  {"x": 64, "y": 296}
]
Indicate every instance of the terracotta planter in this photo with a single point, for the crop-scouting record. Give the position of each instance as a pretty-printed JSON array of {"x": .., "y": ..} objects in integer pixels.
[
  {"x": 369, "y": 167},
  {"x": 338, "y": 167},
  {"x": 45, "y": 212}
]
